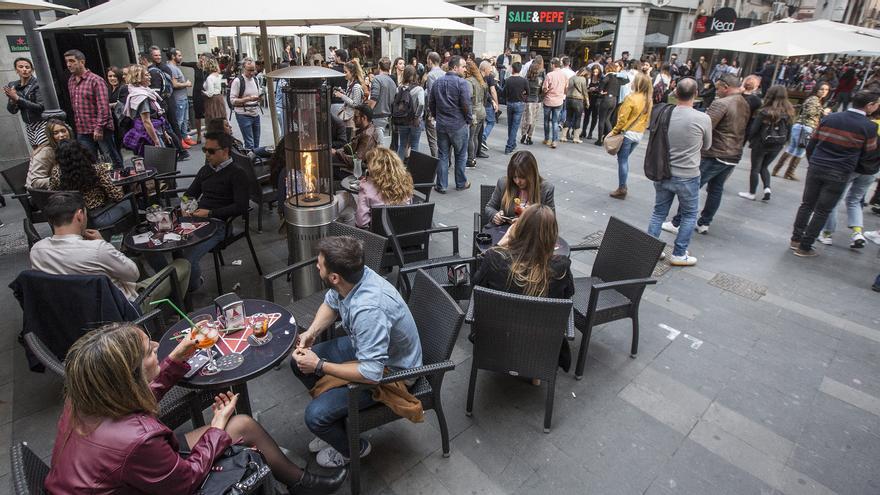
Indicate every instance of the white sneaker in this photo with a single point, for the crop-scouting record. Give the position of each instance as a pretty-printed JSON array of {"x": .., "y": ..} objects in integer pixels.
[
  {"x": 857, "y": 240},
  {"x": 873, "y": 236},
  {"x": 669, "y": 227},
  {"x": 702, "y": 229},
  {"x": 331, "y": 458},
  {"x": 317, "y": 445},
  {"x": 686, "y": 260},
  {"x": 824, "y": 238},
  {"x": 746, "y": 195}
]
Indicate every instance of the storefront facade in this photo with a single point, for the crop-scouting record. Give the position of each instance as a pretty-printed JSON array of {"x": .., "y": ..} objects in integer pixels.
[{"x": 584, "y": 29}]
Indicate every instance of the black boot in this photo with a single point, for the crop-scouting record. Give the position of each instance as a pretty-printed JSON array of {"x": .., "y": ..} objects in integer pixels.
[
  {"x": 316, "y": 483},
  {"x": 529, "y": 140},
  {"x": 522, "y": 140}
]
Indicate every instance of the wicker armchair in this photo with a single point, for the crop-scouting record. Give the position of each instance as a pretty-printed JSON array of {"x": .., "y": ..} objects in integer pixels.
[
  {"x": 423, "y": 169},
  {"x": 518, "y": 335},
  {"x": 28, "y": 470},
  {"x": 439, "y": 319},
  {"x": 479, "y": 220},
  {"x": 232, "y": 237},
  {"x": 613, "y": 291},
  {"x": 305, "y": 307}
]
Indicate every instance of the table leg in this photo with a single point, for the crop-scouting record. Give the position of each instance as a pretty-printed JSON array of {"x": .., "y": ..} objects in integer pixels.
[{"x": 244, "y": 401}]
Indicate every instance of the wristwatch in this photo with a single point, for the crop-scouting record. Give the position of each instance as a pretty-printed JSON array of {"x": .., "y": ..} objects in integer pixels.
[{"x": 319, "y": 368}]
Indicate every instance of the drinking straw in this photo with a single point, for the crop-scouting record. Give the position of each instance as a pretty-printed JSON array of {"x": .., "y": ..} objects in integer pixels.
[{"x": 181, "y": 313}]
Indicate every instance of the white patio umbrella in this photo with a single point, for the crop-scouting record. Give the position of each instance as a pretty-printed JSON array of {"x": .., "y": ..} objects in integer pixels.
[
  {"x": 792, "y": 38},
  {"x": 35, "y": 5},
  {"x": 421, "y": 25}
]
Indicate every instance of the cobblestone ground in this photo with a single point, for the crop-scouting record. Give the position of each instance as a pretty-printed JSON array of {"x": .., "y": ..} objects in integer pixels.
[{"x": 757, "y": 371}]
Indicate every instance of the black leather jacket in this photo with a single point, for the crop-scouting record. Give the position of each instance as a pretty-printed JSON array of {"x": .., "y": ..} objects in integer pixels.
[{"x": 30, "y": 102}]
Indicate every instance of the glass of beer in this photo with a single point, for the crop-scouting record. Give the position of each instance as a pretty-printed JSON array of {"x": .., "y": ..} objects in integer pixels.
[{"x": 206, "y": 332}]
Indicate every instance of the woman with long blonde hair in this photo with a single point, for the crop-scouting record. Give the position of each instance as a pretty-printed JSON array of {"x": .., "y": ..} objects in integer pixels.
[
  {"x": 523, "y": 183},
  {"x": 212, "y": 89},
  {"x": 478, "y": 109},
  {"x": 388, "y": 183},
  {"x": 110, "y": 440},
  {"x": 632, "y": 120}
]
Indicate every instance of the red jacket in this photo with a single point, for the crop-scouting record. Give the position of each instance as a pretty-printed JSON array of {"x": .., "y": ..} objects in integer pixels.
[{"x": 133, "y": 455}]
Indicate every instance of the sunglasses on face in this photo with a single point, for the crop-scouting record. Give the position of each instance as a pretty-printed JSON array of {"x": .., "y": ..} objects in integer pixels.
[{"x": 210, "y": 151}]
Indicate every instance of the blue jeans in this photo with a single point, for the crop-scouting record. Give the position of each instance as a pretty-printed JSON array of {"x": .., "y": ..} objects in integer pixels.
[
  {"x": 688, "y": 192},
  {"x": 796, "y": 131},
  {"x": 514, "y": 117},
  {"x": 489, "y": 124},
  {"x": 623, "y": 160},
  {"x": 407, "y": 135},
  {"x": 325, "y": 415},
  {"x": 715, "y": 174},
  {"x": 107, "y": 145},
  {"x": 551, "y": 123},
  {"x": 111, "y": 215},
  {"x": 279, "y": 113},
  {"x": 250, "y": 130},
  {"x": 458, "y": 139},
  {"x": 858, "y": 187},
  {"x": 182, "y": 116}
]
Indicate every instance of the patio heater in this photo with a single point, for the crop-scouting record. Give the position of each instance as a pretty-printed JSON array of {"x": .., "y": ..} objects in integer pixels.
[{"x": 310, "y": 206}]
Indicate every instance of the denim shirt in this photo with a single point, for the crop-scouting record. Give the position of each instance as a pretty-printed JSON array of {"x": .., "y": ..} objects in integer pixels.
[
  {"x": 451, "y": 102},
  {"x": 381, "y": 328}
]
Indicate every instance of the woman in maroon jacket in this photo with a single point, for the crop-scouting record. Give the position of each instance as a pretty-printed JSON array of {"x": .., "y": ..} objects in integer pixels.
[{"x": 110, "y": 441}]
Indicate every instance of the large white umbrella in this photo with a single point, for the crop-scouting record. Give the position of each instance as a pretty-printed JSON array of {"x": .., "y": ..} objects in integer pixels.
[
  {"x": 34, "y": 5},
  {"x": 287, "y": 31},
  {"x": 792, "y": 38},
  {"x": 421, "y": 25}
]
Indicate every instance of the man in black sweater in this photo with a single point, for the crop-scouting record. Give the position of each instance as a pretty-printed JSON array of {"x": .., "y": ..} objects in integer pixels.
[
  {"x": 222, "y": 190},
  {"x": 841, "y": 142}
]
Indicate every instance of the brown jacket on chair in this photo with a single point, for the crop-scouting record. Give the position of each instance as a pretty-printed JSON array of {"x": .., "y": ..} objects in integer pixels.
[{"x": 394, "y": 395}]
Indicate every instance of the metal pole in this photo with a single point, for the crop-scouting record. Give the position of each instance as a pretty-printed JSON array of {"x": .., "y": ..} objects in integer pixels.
[
  {"x": 775, "y": 71},
  {"x": 238, "y": 44},
  {"x": 270, "y": 84},
  {"x": 134, "y": 43},
  {"x": 41, "y": 63}
]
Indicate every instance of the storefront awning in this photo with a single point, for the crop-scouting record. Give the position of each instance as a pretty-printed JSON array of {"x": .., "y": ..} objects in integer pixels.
[{"x": 35, "y": 5}]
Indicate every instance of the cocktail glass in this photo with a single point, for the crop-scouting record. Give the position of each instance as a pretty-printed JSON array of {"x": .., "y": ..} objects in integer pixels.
[
  {"x": 206, "y": 332},
  {"x": 261, "y": 334}
]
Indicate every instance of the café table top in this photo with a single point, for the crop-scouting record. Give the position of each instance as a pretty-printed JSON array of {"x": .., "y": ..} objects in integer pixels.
[
  {"x": 134, "y": 178},
  {"x": 257, "y": 359},
  {"x": 498, "y": 231},
  {"x": 351, "y": 184},
  {"x": 198, "y": 236}
]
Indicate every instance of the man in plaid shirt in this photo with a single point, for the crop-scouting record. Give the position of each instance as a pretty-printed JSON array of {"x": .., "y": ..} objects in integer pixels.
[{"x": 91, "y": 108}]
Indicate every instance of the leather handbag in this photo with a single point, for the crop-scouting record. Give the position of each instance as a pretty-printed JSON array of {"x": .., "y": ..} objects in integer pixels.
[
  {"x": 239, "y": 471},
  {"x": 613, "y": 142}
]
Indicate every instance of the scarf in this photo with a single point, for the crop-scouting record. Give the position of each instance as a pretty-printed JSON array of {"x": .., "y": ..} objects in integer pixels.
[{"x": 136, "y": 97}]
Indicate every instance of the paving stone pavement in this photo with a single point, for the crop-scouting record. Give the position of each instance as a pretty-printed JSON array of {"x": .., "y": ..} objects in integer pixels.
[{"x": 757, "y": 372}]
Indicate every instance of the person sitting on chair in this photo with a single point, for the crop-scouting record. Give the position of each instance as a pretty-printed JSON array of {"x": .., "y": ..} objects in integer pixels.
[
  {"x": 522, "y": 182},
  {"x": 381, "y": 334},
  {"x": 43, "y": 160},
  {"x": 366, "y": 137},
  {"x": 110, "y": 439},
  {"x": 387, "y": 183},
  {"x": 76, "y": 250}
]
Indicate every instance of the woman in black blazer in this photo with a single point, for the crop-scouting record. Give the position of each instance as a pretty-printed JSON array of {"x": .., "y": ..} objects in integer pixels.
[{"x": 522, "y": 186}]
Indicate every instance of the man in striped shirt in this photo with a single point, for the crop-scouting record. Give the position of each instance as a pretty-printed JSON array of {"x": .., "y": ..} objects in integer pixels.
[
  {"x": 91, "y": 108},
  {"x": 842, "y": 142}
]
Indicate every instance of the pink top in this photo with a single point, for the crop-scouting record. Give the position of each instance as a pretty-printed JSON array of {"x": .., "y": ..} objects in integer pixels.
[
  {"x": 368, "y": 197},
  {"x": 554, "y": 88}
]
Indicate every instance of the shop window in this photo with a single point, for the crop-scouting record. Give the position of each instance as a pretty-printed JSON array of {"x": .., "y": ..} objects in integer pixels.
[
  {"x": 590, "y": 32},
  {"x": 659, "y": 33}
]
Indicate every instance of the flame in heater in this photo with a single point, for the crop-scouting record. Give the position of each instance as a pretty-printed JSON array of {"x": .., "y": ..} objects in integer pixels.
[{"x": 310, "y": 179}]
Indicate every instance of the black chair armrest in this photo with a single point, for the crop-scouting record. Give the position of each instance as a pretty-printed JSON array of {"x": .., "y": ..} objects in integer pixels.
[
  {"x": 436, "y": 230},
  {"x": 269, "y": 288},
  {"x": 619, "y": 284},
  {"x": 165, "y": 273},
  {"x": 407, "y": 374},
  {"x": 423, "y": 185},
  {"x": 152, "y": 319},
  {"x": 46, "y": 357},
  {"x": 171, "y": 175},
  {"x": 437, "y": 264},
  {"x": 20, "y": 196},
  {"x": 129, "y": 196},
  {"x": 584, "y": 247}
]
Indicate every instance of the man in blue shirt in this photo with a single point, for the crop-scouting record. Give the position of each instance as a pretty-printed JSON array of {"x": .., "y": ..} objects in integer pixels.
[
  {"x": 381, "y": 334},
  {"x": 450, "y": 104}
]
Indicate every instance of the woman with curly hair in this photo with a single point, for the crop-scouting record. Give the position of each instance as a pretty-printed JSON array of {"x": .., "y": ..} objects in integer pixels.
[
  {"x": 76, "y": 172},
  {"x": 387, "y": 183}
]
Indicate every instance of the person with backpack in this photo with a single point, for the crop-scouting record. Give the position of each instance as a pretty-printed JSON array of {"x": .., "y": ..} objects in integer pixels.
[
  {"x": 678, "y": 134},
  {"x": 160, "y": 82},
  {"x": 661, "y": 84},
  {"x": 407, "y": 111},
  {"x": 245, "y": 99},
  {"x": 767, "y": 135}
]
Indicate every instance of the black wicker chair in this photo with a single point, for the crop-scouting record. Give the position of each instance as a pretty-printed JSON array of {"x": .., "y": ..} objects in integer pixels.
[
  {"x": 613, "y": 291},
  {"x": 409, "y": 227},
  {"x": 40, "y": 197},
  {"x": 305, "y": 307},
  {"x": 479, "y": 220},
  {"x": 439, "y": 319},
  {"x": 15, "y": 176},
  {"x": 28, "y": 470},
  {"x": 30, "y": 232},
  {"x": 518, "y": 335},
  {"x": 423, "y": 169},
  {"x": 164, "y": 160},
  {"x": 232, "y": 237},
  {"x": 262, "y": 191}
]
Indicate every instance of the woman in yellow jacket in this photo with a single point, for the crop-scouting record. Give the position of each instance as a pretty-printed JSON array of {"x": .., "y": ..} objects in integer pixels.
[{"x": 632, "y": 120}]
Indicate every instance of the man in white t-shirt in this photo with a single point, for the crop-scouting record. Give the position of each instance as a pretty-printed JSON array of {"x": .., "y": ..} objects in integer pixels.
[{"x": 245, "y": 98}]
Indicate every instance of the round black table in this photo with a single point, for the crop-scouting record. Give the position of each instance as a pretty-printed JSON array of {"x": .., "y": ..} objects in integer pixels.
[
  {"x": 257, "y": 359},
  {"x": 199, "y": 236},
  {"x": 498, "y": 231},
  {"x": 351, "y": 184}
]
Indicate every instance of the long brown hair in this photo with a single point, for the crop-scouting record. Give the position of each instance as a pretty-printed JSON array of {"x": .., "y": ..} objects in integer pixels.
[
  {"x": 530, "y": 248},
  {"x": 536, "y": 67},
  {"x": 50, "y": 136},
  {"x": 474, "y": 71},
  {"x": 776, "y": 105},
  {"x": 390, "y": 177},
  {"x": 522, "y": 164},
  {"x": 104, "y": 377},
  {"x": 642, "y": 85},
  {"x": 356, "y": 72}
]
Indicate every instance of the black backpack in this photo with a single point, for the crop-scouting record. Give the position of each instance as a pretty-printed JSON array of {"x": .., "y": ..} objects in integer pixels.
[
  {"x": 165, "y": 90},
  {"x": 403, "y": 111},
  {"x": 774, "y": 134}
]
